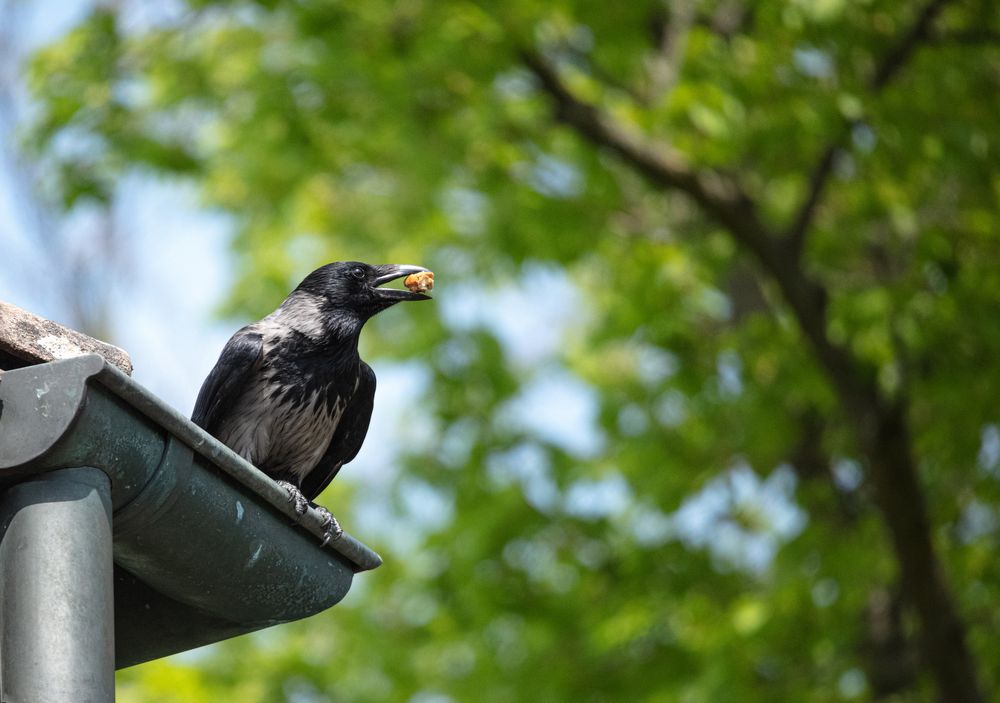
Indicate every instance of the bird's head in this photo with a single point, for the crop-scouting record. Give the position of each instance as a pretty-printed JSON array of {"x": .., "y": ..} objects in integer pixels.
[{"x": 355, "y": 290}]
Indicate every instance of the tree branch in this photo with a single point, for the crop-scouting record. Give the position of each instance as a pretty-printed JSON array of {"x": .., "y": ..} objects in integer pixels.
[
  {"x": 664, "y": 66},
  {"x": 718, "y": 194},
  {"x": 880, "y": 425},
  {"x": 898, "y": 56},
  {"x": 885, "y": 72},
  {"x": 817, "y": 184}
]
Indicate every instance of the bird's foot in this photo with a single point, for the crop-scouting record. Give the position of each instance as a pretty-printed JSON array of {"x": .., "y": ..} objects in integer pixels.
[
  {"x": 332, "y": 530},
  {"x": 295, "y": 496},
  {"x": 331, "y": 527}
]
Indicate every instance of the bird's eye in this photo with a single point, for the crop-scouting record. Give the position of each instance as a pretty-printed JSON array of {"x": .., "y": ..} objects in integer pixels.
[{"x": 358, "y": 272}]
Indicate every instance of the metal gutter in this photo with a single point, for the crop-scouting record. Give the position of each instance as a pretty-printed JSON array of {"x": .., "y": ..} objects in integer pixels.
[{"x": 204, "y": 545}]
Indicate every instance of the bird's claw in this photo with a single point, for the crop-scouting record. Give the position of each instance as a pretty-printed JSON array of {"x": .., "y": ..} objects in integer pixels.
[
  {"x": 332, "y": 530},
  {"x": 295, "y": 496}
]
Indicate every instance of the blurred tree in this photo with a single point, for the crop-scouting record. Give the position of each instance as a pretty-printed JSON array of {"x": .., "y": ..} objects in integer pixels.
[
  {"x": 88, "y": 252},
  {"x": 764, "y": 234}
]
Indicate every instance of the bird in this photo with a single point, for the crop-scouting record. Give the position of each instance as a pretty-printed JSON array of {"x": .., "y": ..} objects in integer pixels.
[{"x": 290, "y": 393}]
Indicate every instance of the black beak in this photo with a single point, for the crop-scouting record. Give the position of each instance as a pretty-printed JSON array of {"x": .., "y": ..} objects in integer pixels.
[{"x": 390, "y": 272}]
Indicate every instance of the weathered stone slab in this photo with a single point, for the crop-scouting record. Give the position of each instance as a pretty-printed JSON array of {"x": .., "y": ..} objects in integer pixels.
[{"x": 29, "y": 339}]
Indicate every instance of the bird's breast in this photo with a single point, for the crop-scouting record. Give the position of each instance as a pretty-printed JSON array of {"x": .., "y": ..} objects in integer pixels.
[{"x": 281, "y": 430}]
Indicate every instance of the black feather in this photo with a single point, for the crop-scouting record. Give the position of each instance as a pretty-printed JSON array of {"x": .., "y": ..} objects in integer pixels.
[{"x": 240, "y": 358}]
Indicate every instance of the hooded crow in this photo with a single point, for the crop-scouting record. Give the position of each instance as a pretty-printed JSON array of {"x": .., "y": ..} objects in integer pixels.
[{"x": 290, "y": 394}]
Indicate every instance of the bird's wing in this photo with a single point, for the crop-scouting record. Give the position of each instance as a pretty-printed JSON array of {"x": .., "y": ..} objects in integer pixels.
[
  {"x": 218, "y": 395},
  {"x": 347, "y": 438}
]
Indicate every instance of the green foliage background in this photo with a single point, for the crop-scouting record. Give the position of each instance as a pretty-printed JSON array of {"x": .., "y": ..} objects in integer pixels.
[{"x": 414, "y": 131}]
